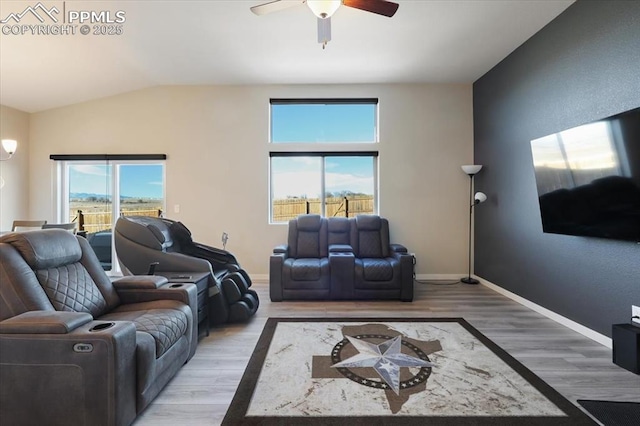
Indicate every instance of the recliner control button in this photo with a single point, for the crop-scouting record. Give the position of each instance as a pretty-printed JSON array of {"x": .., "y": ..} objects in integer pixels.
[{"x": 83, "y": 347}]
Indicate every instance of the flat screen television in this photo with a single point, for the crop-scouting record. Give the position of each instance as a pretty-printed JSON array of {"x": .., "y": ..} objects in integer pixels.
[{"x": 588, "y": 178}]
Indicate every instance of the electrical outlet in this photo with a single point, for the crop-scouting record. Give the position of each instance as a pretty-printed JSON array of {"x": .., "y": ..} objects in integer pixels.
[{"x": 635, "y": 312}]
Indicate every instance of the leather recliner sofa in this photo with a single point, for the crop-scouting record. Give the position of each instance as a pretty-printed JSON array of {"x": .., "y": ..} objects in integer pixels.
[
  {"x": 340, "y": 259},
  {"x": 141, "y": 241},
  {"x": 77, "y": 348}
]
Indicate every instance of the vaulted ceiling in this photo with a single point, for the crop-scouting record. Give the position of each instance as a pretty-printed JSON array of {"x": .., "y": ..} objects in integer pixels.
[{"x": 222, "y": 42}]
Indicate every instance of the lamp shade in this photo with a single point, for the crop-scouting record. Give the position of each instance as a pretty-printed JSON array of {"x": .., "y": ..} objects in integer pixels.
[
  {"x": 9, "y": 145},
  {"x": 480, "y": 197},
  {"x": 324, "y": 8},
  {"x": 471, "y": 169}
]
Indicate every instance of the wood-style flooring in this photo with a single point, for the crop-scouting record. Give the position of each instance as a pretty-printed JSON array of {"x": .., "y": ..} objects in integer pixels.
[{"x": 576, "y": 366}]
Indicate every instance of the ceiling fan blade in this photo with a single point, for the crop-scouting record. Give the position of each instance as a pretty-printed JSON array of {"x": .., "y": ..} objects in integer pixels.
[
  {"x": 381, "y": 7},
  {"x": 275, "y": 6}
]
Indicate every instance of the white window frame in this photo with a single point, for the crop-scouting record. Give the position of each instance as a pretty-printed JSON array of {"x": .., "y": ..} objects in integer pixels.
[
  {"x": 62, "y": 192},
  {"x": 343, "y": 149}
]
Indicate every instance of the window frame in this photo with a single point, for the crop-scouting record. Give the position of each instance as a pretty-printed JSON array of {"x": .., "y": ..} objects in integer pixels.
[
  {"x": 323, "y": 155},
  {"x": 326, "y": 101},
  {"x": 324, "y": 149},
  {"x": 62, "y": 188}
]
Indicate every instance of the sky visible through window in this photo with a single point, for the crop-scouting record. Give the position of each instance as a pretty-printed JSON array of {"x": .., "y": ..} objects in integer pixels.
[
  {"x": 136, "y": 180},
  {"x": 324, "y": 123}
]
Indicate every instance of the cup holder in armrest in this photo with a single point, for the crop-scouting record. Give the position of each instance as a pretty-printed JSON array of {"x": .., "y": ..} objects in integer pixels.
[
  {"x": 102, "y": 326},
  {"x": 175, "y": 285}
]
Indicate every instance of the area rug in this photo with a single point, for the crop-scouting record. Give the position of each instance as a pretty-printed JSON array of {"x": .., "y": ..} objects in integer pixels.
[
  {"x": 391, "y": 371},
  {"x": 613, "y": 413}
]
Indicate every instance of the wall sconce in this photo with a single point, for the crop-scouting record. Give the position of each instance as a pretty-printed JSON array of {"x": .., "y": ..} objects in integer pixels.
[
  {"x": 479, "y": 197},
  {"x": 10, "y": 146}
]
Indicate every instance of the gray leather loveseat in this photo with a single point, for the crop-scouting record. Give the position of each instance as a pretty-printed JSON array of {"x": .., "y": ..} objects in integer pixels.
[
  {"x": 77, "y": 348},
  {"x": 340, "y": 259}
]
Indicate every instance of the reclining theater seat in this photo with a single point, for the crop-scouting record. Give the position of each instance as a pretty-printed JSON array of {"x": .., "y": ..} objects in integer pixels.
[
  {"x": 300, "y": 269},
  {"x": 382, "y": 270},
  {"x": 340, "y": 259},
  {"x": 141, "y": 241},
  {"x": 76, "y": 348}
]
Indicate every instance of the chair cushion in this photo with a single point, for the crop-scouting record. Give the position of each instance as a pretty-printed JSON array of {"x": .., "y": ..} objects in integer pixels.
[
  {"x": 309, "y": 222},
  {"x": 71, "y": 288},
  {"x": 45, "y": 249},
  {"x": 308, "y": 244},
  {"x": 377, "y": 270},
  {"x": 159, "y": 319},
  {"x": 306, "y": 269},
  {"x": 370, "y": 244},
  {"x": 151, "y": 232},
  {"x": 339, "y": 230},
  {"x": 366, "y": 222}
]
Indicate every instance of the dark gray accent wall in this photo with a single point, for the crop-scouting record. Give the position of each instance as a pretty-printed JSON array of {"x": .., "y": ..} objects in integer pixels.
[{"x": 583, "y": 66}]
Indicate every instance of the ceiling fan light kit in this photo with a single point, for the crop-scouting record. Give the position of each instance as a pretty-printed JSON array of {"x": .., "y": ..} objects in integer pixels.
[{"x": 324, "y": 9}]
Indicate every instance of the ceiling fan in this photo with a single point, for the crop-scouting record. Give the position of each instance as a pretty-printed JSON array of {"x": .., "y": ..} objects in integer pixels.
[{"x": 324, "y": 9}]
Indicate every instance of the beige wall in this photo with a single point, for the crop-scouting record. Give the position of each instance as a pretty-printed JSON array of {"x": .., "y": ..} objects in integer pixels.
[
  {"x": 216, "y": 137},
  {"x": 14, "y": 200}
]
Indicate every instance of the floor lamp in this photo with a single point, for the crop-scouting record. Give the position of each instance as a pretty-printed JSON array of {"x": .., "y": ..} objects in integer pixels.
[{"x": 480, "y": 197}]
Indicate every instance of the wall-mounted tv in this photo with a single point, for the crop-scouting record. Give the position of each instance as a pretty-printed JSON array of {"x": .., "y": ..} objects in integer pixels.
[{"x": 588, "y": 178}]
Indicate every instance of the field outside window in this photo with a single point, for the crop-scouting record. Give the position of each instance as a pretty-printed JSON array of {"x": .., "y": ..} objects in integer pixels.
[{"x": 95, "y": 194}]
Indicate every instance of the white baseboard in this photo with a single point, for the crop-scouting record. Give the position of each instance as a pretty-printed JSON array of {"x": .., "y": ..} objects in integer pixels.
[
  {"x": 436, "y": 277},
  {"x": 259, "y": 277},
  {"x": 587, "y": 332}
]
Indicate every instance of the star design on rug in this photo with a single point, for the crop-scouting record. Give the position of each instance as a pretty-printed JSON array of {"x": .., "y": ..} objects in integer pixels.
[{"x": 386, "y": 358}]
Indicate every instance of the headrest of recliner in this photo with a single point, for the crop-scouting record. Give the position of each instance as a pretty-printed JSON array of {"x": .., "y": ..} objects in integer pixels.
[
  {"x": 46, "y": 248},
  {"x": 338, "y": 224},
  {"x": 148, "y": 231},
  {"x": 368, "y": 222},
  {"x": 309, "y": 222}
]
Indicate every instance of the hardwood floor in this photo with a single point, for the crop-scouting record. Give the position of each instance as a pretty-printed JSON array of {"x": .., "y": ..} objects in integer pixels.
[{"x": 576, "y": 366}]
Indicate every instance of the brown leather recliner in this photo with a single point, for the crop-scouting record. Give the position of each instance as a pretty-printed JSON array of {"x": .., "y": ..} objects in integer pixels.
[{"x": 76, "y": 348}]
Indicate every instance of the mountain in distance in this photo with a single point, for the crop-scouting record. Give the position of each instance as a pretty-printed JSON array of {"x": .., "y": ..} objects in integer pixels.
[{"x": 87, "y": 195}]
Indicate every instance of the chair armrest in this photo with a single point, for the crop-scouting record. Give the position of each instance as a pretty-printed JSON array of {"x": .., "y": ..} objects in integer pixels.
[
  {"x": 44, "y": 322},
  {"x": 398, "y": 248},
  {"x": 276, "y": 263},
  {"x": 281, "y": 249},
  {"x": 340, "y": 248},
  {"x": 180, "y": 291},
  {"x": 215, "y": 255},
  {"x": 87, "y": 375},
  {"x": 140, "y": 282}
]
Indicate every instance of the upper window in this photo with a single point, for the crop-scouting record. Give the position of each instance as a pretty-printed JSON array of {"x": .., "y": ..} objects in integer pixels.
[
  {"x": 324, "y": 120},
  {"x": 314, "y": 177}
]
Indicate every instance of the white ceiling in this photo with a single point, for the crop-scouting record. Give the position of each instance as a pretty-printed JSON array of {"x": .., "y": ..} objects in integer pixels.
[{"x": 222, "y": 42}]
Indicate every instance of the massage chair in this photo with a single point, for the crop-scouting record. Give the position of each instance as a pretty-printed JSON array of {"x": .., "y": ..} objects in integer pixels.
[{"x": 147, "y": 245}]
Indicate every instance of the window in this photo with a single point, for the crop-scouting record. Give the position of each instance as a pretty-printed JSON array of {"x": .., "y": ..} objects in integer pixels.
[
  {"x": 324, "y": 120},
  {"x": 94, "y": 193},
  {"x": 314, "y": 177}
]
